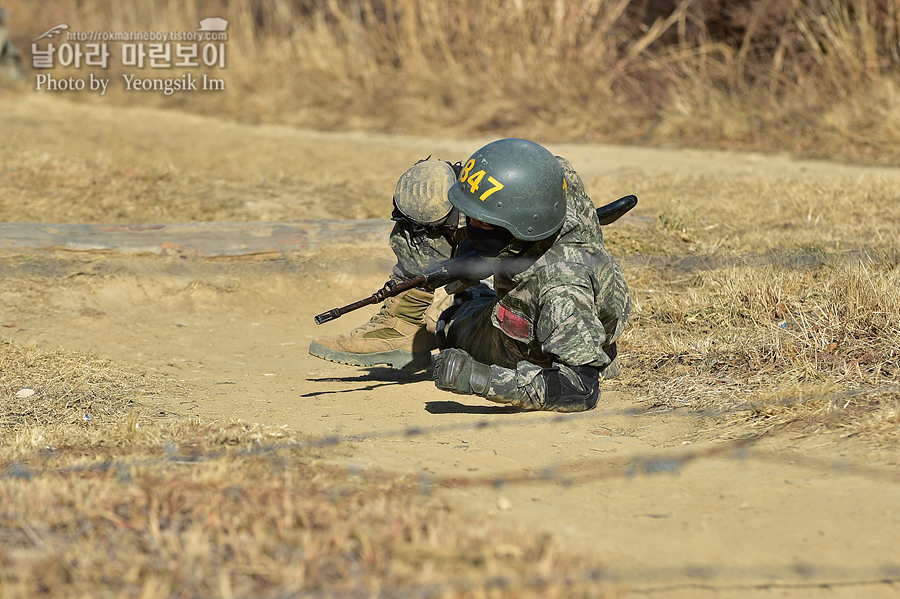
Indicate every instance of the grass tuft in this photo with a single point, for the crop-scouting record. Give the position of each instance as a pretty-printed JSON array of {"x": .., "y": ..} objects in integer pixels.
[
  {"x": 818, "y": 77},
  {"x": 789, "y": 340}
]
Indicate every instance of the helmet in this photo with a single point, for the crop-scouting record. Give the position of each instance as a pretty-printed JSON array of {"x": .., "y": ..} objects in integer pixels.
[
  {"x": 515, "y": 184},
  {"x": 421, "y": 192}
]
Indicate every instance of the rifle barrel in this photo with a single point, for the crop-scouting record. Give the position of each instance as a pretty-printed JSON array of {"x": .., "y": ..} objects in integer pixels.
[
  {"x": 459, "y": 268},
  {"x": 390, "y": 289}
]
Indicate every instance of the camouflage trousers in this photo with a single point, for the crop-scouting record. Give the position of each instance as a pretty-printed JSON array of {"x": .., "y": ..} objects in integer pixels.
[{"x": 466, "y": 325}]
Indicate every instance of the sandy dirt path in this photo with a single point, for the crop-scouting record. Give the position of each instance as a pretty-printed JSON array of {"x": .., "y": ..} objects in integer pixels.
[{"x": 236, "y": 332}]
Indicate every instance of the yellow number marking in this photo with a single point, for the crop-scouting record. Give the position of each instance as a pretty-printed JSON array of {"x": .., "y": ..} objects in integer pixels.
[
  {"x": 465, "y": 172},
  {"x": 497, "y": 187},
  {"x": 475, "y": 180}
]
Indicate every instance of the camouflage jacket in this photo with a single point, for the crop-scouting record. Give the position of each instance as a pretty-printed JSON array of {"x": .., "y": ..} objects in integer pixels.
[{"x": 561, "y": 316}]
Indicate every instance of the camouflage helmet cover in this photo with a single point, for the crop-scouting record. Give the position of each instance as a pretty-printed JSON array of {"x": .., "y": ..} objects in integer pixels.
[
  {"x": 515, "y": 184},
  {"x": 421, "y": 192}
]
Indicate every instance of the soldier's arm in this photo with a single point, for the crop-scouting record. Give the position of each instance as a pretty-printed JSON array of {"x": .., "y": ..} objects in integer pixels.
[
  {"x": 560, "y": 388},
  {"x": 571, "y": 333}
]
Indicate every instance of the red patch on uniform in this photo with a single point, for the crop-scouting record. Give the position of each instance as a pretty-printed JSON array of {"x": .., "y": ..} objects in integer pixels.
[{"x": 513, "y": 324}]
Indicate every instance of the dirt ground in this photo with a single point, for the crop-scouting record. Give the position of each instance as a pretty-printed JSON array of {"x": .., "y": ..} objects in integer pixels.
[{"x": 236, "y": 331}]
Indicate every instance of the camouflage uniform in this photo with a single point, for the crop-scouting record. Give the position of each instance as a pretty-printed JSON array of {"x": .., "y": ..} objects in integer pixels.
[
  {"x": 11, "y": 66},
  {"x": 419, "y": 246},
  {"x": 549, "y": 331},
  {"x": 541, "y": 333}
]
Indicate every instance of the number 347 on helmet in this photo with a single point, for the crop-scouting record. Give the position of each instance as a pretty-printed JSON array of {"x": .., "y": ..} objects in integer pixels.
[{"x": 515, "y": 184}]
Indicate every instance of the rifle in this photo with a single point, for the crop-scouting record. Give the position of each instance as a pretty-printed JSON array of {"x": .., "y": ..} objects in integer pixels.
[
  {"x": 467, "y": 266},
  {"x": 613, "y": 211}
]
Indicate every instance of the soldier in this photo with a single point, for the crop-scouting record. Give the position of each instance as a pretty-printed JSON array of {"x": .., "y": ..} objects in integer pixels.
[
  {"x": 11, "y": 66},
  {"x": 543, "y": 335},
  {"x": 427, "y": 229}
]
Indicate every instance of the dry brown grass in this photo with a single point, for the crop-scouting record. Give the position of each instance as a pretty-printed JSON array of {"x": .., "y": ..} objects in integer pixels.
[
  {"x": 77, "y": 399},
  {"x": 70, "y": 189},
  {"x": 757, "y": 215},
  {"x": 815, "y": 77},
  {"x": 128, "y": 504},
  {"x": 783, "y": 344}
]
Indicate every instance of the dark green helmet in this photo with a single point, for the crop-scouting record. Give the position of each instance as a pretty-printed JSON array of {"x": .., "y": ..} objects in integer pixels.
[{"x": 515, "y": 184}]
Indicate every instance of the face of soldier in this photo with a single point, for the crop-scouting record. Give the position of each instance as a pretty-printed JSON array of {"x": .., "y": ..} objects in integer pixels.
[{"x": 488, "y": 240}]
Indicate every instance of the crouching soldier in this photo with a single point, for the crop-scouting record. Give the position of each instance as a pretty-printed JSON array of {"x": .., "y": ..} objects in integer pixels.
[{"x": 541, "y": 333}]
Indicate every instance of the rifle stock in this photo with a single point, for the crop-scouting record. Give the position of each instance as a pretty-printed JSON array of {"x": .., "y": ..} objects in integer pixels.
[
  {"x": 613, "y": 211},
  {"x": 467, "y": 266}
]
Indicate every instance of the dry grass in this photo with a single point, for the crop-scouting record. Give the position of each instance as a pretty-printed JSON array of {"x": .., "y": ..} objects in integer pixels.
[
  {"x": 757, "y": 215},
  {"x": 62, "y": 398},
  {"x": 128, "y": 504},
  {"x": 783, "y": 344},
  {"x": 69, "y": 190},
  {"x": 814, "y": 77},
  {"x": 72, "y": 190}
]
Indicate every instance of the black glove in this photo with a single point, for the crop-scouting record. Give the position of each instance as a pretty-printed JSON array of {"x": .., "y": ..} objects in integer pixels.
[{"x": 457, "y": 372}]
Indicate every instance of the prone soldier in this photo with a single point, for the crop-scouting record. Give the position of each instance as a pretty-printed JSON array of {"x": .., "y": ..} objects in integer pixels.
[{"x": 541, "y": 332}]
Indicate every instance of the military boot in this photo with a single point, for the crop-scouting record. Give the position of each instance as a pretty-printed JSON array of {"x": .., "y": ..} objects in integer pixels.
[{"x": 395, "y": 336}]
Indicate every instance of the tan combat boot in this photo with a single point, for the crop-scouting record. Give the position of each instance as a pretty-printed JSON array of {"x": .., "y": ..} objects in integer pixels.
[{"x": 395, "y": 336}]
